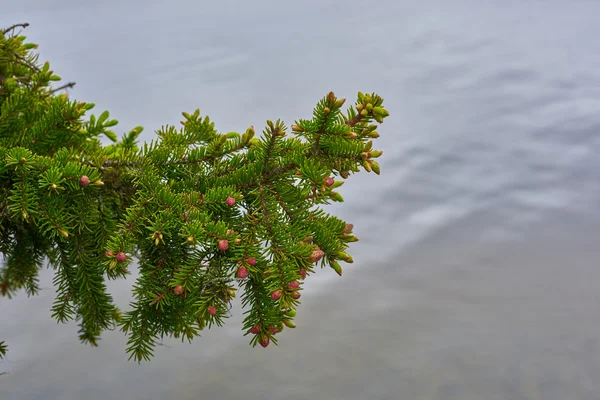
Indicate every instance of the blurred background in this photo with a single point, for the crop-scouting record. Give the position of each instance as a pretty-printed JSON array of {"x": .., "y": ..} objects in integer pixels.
[{"x": 476, "y": 274}]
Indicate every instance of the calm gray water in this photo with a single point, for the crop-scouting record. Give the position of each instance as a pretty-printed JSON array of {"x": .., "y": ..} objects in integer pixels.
[{"x": 476, "y": 274}]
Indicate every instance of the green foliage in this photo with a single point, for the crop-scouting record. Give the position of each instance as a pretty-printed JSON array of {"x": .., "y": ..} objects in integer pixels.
[{"x": 192, "y": 206}]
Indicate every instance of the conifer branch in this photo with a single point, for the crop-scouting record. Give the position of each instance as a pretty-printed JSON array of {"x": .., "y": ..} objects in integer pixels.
[{"x": 207, "y": 215}]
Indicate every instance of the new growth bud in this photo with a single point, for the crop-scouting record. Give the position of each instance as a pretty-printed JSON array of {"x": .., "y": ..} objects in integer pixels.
[
  {"x": 316, "y": 255},
  {"x": 289, "y": 323},
  {"x": 242, "y": 272},
  {"x": 303, "y": 273},
  {"x": 276, "y": 295},
  {"x": 121, "y": 257},
  {"x": 336, "y": 267},
  {"x": 264, "y": 341},
  {"x": 84, "y": 181},
  {"x": 223, "y": 245},
  {"x": 255, "y": 329}
]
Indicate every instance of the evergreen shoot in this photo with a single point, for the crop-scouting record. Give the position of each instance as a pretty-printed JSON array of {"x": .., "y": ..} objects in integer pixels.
[{"x": 207, "y": 216}]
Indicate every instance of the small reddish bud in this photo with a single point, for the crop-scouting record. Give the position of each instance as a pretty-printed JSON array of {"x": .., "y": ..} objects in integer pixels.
[
  {"x": 316, "y": 255},
  {"x": 264, "y": 341},
  {"x": 303, "y": 273},
  {"x": 309, "y": 239},
  {"x": 4, "y": 288},
  {"x": 178, "y": 290},
  {"x": 273, "y": 329},
  {"x": 345, "y": 174},
  {"x": 212, "y": 310},
  {"x": 108, "y": 253},
  {"x": 223, "y": 245},
  {"x": 230, "y": 201},
  {"x": 276, "y": 295},
  {"x": 294, "y": 285},
  {"x": 296, "y": 295},
  {"x": 348, "y": 228},
  {"x": 255, "y": 330},
  {"x": 84, "y": 181},
  {"x": 242, "y": 272},
  {"x": 329, "y": 181},
  {"x": 121, "y": 257},
  {"x": 251, "y": 261}
]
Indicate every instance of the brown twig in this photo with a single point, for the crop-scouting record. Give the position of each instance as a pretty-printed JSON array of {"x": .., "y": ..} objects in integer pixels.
[
  {"x": 10, "y": 28},
  {"x": 67, "y": 86}
]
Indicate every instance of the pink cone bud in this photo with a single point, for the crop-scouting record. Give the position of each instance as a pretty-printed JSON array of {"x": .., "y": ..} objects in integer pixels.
[
  {"x": 273, "y": 329},
  {"x": 212, "y": 310},
  {"x": 255, "y": 329},
  {"x": 178, "y": 290},
  {"x": 316, "y": 255},
  {"x": 242, "y": 272},
  {"x": 230, "y": 201},
  {"x": 264, "y": 341},
  {"x": 348, "y": 228},
  {"x": 344, "y": 174},
  {"x": 251, "y": 261},
  {"x": 223, "y": 245},
  {"x": 294, "y": 285},
  {"x": 108, "y": 253},
  {"x": 296, "y": 295},
  {"x": 303, "y": 273},
  {"x": 121, "y": 257},
  {"x": 84, "y": 181},
  {"x": 276, "y": 295},
  {"x": 329, "y": 181}
]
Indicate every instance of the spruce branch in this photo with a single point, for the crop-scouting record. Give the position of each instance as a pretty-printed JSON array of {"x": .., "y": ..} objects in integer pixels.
[{"x": 207, "y": 216}]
